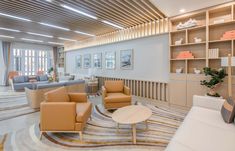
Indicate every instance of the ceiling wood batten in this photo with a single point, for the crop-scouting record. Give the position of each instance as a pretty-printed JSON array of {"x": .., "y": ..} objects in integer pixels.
[{"x": 125, "y": 13}]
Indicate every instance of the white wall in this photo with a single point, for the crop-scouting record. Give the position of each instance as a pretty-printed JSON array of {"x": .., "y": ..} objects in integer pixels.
[
  {"x": 2, "y": 67},
  {"x": 150, "y": 59}
]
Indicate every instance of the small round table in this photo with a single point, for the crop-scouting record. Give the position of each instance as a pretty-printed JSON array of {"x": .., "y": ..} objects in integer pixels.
[{"x": 132, "y": 114}]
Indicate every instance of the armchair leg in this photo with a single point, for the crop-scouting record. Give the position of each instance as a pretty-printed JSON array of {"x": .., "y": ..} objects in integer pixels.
[
  {"x": 40, "y": 137},
  {"x": 80, "y": 135}
]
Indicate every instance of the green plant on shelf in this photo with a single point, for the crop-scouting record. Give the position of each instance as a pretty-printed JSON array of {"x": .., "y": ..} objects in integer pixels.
[{"x": 216, "y": 78}]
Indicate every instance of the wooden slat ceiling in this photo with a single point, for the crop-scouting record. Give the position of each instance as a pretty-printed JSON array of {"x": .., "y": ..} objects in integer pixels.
[{"x": 125, "y": 13}]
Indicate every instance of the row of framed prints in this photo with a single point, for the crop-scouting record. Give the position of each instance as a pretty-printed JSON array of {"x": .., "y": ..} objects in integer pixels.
[{"x": 126, "y": 60}]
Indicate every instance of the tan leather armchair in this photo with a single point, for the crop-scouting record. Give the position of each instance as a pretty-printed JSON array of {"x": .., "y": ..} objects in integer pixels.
[
  {"x": 115, "y": 95},
  {"x": 64, "y": 112}
]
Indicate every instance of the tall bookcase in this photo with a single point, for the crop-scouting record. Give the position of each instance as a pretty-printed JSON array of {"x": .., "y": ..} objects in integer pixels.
[{"x": 212, "y": 23}]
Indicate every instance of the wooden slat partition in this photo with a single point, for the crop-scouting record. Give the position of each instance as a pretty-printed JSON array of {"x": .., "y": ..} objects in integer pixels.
[{"x": 147, "y": 89}]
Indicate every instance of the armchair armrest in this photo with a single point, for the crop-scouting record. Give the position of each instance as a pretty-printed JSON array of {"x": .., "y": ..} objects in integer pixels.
[
  {"x": 78, "y": 97},
  {"x": 104, "y": 92},
  {"x": 127, "y": 90},
  {"x": 57, "y": 116},
  {"x": 208, "y": 102}
]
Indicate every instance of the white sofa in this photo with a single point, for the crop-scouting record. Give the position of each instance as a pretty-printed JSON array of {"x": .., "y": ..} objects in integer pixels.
[{"x": 204, "y": 129}]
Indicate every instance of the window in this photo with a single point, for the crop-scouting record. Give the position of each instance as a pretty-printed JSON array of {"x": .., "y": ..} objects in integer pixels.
[{"x": 28, "y": 62}]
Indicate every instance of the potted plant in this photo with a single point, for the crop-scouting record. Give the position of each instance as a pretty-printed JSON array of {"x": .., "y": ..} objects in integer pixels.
[
  {"x": 50, "y": 73},
  {"x": 216, "y": 78}
]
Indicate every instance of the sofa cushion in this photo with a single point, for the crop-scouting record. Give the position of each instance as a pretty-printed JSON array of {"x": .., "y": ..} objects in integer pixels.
[
  {"x": 117, "y": 98},
  {"x": 203, "y": 130},
  {"x": 228, "y": 110},
  {"x": 83, "y": 111},
  {"x": 21, "y": 86},
  {"x": 57, "y": 95},
  {"x": 19, "y": 79},
  {"x": 43, "y": 78},
  {"x": 43, "y": 85},
  {"x": 114, "y": 86}
]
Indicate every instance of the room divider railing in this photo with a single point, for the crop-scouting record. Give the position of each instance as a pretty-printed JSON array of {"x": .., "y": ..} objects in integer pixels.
[{"x": 147, "y": 89}]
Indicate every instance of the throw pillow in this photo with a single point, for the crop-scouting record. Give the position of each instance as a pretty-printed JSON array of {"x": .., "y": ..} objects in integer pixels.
[
  {"x": 18, "y": 79},
  {"x": 43, "y": 78},
  {"x": 228, "y": 110}
]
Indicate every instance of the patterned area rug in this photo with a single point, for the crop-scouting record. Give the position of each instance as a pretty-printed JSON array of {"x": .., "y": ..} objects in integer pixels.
[
  {"x": 100, "y": 134},
  {"x": 14, "y": 104}
]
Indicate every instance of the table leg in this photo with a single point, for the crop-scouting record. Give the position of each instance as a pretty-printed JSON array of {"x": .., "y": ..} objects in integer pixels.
[
  {"x": 117, "y": 127},
  {"x": 134, "y": 133},
  {"x": 146, "y": 124}
]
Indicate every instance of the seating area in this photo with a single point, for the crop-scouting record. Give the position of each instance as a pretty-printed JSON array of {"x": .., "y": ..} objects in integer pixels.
[{"x": 117, "y": 75}]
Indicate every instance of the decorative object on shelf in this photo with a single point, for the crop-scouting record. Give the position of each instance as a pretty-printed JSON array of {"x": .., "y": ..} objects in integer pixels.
[
  {"x": 185, "y": 55},
  {"x": 190, "y": 23},
  {"x": 213, "y": 53},
  {"x": 228, "y": 35},
  {"x": 97, "y": 60},
  {"x": 228, "y": 62},
  {"x": 110, "y": 60},
  {"x": 179, "y": 70},
  {"x": 126, "y": 59},
  {"x": 218, "y": 21},
  {"x": 87, "y": 61},
  {"x": 78, "y": 61},
  {"x": 197, "y": 40},
  {"x": 196, "y": 71},
  {"x": 179, "y": 42},
  {"x": 215, "y": 81}
]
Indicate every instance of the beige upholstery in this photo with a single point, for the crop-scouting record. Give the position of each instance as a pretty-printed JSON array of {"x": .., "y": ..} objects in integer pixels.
[
  {"x": 64, "y": 112},
  {"x": 115, "y": 95}
]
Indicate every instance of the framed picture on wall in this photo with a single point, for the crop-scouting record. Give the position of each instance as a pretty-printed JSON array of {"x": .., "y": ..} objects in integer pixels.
[
  {"x": 87, "y": 61},
  {"x": 78, "y": 61},
  {"x": 97, "y": 60},
  {"x": 126, "y": 59},
  {"x": 110, "y": 60}
]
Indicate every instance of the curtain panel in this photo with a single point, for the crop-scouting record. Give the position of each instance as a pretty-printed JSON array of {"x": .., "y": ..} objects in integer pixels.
[
  {"x": 6, "y": 50},
  {"x": 55, "y": 59}
]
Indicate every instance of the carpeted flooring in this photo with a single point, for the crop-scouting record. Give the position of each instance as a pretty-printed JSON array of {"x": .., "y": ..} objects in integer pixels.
[{"x": 100, "y": 133}]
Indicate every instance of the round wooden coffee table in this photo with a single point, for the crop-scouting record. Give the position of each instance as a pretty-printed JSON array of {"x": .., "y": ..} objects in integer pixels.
[{"x": 132, "y": 115}]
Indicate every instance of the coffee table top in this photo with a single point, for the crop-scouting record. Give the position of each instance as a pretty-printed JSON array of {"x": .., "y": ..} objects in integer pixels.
[{"x": 131, "y": 114}]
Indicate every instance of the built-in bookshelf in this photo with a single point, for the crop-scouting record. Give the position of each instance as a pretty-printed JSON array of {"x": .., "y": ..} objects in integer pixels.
[
  {"x": 61, "y": 57},
  {"x": 212, "y": 23}
]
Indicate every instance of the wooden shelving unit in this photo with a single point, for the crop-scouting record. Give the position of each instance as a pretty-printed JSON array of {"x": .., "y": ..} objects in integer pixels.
[
  {"x": 61, "y": 57},
  {"x": 212, "y": 24}
]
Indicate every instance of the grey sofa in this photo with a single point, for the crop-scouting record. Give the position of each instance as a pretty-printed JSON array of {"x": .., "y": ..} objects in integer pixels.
[{"x": 20, "y": 82}]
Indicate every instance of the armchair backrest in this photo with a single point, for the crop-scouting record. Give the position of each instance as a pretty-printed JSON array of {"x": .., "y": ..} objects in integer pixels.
[
  {"x": 114, "y": 86},
  {"x": 57, "y": 95}
]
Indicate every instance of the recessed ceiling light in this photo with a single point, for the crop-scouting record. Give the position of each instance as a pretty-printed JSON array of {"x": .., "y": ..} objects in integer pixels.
[
  {"x": 182, "y": 10},
  {"x": 56, "y": 43},
  {"x": 114, "y": 25},
  {"x": 54, "y": 26},
  {"x": 79, "y": 32},
  {"x": 4, "y": 36},
  {"x": 8, "y": 29},
  {"x": 61, "y": 38},
  {"x": 78, "y": 11},
  {"x": 49, "y": 36},
  {"x": 33, "y": 40},
  {"x": 15, "y": 17}
]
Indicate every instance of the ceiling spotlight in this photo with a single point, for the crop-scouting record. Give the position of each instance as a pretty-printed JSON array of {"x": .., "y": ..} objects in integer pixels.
[
  {"x": 48, "y": 36},
  {"x": 4, "y": 36},
  {"x": 114, "y": 25},
  {"x": 33, "y": 40},
  {"x": 78, "y": 11},
  {"x": 56, "y": 43},
  {"x": 79, "y": 32},
  {"x": 61, "y": 38},
  {"x": 8, "y": 29},
  {"x": 54, "y": 26},
  {"x": 182, "y": 10},
  {"x": 15, "y": 17}
]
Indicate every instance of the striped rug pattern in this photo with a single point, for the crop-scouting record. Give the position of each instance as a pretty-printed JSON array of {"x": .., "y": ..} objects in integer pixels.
[{"x": 100, "y": 134}]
